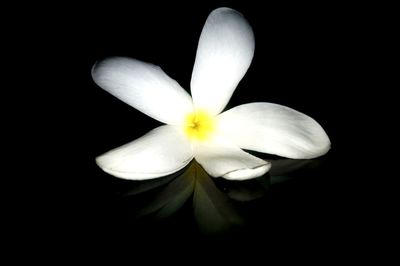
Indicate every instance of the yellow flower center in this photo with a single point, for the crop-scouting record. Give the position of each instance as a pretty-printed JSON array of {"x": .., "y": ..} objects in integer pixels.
[{"x": 199, "y": 125}]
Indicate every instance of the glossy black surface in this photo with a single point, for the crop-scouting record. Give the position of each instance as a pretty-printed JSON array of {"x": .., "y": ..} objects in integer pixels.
[{"x": 306, "y": 57}]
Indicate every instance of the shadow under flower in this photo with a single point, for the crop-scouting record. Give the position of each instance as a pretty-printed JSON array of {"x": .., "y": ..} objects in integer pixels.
[{"x": 214, "y": 200}]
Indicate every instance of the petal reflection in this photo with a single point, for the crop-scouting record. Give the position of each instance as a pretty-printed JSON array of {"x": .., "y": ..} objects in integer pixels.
[
  {"x": 248, "y": 190},
  {"x": 283, "y": 170},
  {"x": 213, "y": 210},
  {"x": 147, "y": 185},
  {"x": 219, "y": 205},
  {"x": 172, "y": 197}
]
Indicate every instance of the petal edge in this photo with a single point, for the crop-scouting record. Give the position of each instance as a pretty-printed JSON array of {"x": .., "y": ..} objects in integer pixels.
[
  {"x": 224, "y": 53},
  {"x": 145, "y": 87},
  {"x": 274, "y": 129},
  {"x": 220, "y": 158},
  {"x": 161, "y": 152}
]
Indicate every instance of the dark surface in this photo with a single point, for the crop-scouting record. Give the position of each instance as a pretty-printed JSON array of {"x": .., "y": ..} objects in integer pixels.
[{"x": 306, "y": 57}]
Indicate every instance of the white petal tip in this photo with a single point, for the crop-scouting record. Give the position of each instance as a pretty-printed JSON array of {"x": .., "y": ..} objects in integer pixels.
[
  {"x": 320, "y": 149},
  {"x": 143, "y": 86},
  {"x": 245, "y": 174},
  {"x": 162, "y": 151},
  {"x": 274, "y": 129},
  {"x": 224, "y": 53}
]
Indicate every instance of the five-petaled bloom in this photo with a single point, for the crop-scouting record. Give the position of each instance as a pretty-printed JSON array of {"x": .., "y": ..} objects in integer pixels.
[{"x": 195, "y": 127}]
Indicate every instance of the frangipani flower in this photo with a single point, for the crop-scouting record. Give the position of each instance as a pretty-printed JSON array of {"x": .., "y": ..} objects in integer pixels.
[{"x": 195, "y": 127}]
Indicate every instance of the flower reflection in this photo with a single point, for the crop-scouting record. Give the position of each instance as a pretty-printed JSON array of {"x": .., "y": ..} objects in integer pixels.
[{"x": 215, "y": 201}]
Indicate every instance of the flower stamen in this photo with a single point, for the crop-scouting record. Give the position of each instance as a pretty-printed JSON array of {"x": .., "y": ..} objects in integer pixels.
[{"x": 199, "y": 125}]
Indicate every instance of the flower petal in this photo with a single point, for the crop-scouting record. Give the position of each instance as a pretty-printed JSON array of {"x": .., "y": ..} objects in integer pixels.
[
  {"x": 220, "y": 158},
  {"x": 161, "y": 152},
  {"x": 274, "y": 129},
  {"x": 145, "y": 87},
  {"x": 224, "y": 54}
]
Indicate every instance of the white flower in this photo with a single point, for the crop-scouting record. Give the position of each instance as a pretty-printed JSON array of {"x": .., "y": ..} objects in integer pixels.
[{"x": 196, "y": 128}]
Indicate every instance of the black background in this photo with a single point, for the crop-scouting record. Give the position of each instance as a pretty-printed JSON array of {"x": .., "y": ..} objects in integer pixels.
[{"x": 308, "y": 57}]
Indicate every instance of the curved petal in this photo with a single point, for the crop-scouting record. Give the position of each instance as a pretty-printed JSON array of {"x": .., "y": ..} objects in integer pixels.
[
  {"x": 145, "y": 87},
  {"x": 161, "y": 152},
  {"x": 274, "y": 129},
  {"x": 224, "y": 54},
  {"x": 248, "y": 173},
  {"x": 220, "y": 158}
]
